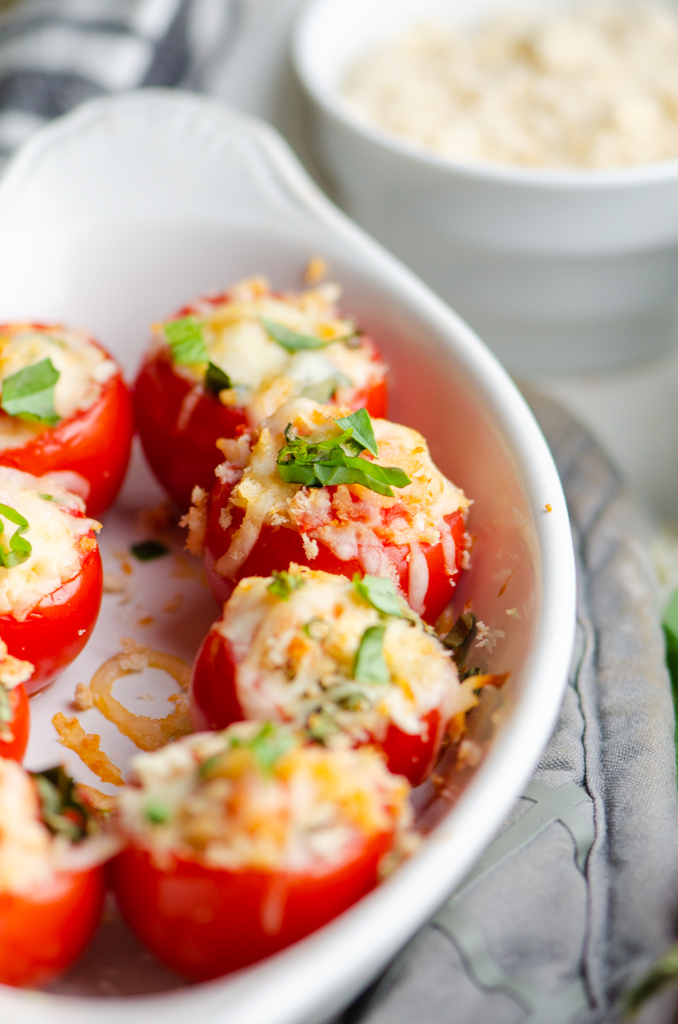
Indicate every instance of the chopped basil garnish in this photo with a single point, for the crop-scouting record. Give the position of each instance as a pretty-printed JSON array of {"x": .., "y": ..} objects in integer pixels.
[
  {"x": 336, "y": 460},
  {"x": 48, "y": 497},
  {"x": 283, "y": 583},
  {"x": 148, "y": 550},
  {"x": 268, "y": 746},
  {"x": 323, "y": 390},
  {"x": 29, "y": 393},
  {"x": 216, "y": 380},
  {"x": 19, "y": 547},
  {"x": 63, "y": 812},
  {"x": 369, "y": 665},
  {"x": 289, "y": 339},
  {"x": 360, "y": 424},
  {"x": 321, "y": 726},
  {"x": 186, "y": 340},
  {"x": 156, "y": 813},
  {"x": 381, "y": 594}
]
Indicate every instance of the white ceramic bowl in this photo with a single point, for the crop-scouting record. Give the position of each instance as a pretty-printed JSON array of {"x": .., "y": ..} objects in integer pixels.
[
  {"x": 111, "y": 219},
  {"x": 556, "y": 270}
]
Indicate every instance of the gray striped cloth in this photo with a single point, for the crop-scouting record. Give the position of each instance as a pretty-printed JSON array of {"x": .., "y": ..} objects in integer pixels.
[
  {"x": 579, "y": 891},
  {"x": 56, "y": 53}
]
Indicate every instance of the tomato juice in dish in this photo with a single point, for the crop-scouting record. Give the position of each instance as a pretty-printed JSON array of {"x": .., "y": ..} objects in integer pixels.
[
  {"x": 64, "y": 406},
  {"x": 348, "y": 662},
  {"x": 228, "y": 361},
  {"x": 243, "y": 841},
  {"x": 51, "y": 578},
  {"x": 397, "y": 516},
  {"x": 51, "y": 877}
]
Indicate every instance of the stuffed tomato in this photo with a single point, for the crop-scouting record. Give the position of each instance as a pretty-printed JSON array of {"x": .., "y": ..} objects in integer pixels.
[
  {"x": 244, "y": 841},
  {"x": 337, "y": 491},
  {"x": 64, "y": 406},
  {"x": 14, "y": 710},
  {"x": 344, "y": 661},
  {"x": 230, "y": 360},
  {"x": 52, "y": 882},
  {"x": 51, "y": 579}
]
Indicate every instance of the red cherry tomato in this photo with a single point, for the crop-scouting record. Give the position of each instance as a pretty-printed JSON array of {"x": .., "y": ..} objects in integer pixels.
[
  {"x": 214, "y": 704},
  {"x": 181, "y": 446},
  {"x": 204, "y": 922},
  {"x": 13, "y": 744},
  {"x": 56, "y": 630},
  {"x": 277, "y": 546},
  {"x": 95, "y": 444},
  {"x": 43, "y": 932}
]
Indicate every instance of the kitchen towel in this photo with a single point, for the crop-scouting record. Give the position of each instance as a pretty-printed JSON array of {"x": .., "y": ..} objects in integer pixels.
[{"x": 578, "y": 893}]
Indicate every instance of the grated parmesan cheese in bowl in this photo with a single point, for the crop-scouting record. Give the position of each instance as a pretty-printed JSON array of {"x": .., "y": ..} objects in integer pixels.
[{"x": 593, "y": 86}]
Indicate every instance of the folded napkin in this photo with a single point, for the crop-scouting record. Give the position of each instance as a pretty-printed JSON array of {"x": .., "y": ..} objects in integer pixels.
[{"x": 578, "y": 892}]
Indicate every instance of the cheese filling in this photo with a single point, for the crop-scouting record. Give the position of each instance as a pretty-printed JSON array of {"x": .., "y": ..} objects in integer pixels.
[
  {"x": 83, "y": 369},
  {"x": 264, "y": 374},
  {"x": 295, "y": 660},
  {"x": 59, "y": 535},
  {"x": 30, "y": 856},
  {"x": 383, "y": 534},
  {"x": 230, "y": 801}
]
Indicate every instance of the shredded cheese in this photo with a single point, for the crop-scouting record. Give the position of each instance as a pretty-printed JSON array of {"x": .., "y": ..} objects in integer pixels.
[
  {"x": 83, "y": 369},
  {"x": 60, "y": 536},
  {"x": 265, "y": 374},
  {"x": 292, "y": 655},
  {"x": 216, "y": 803},
  {"x": 382, "y": 533}
]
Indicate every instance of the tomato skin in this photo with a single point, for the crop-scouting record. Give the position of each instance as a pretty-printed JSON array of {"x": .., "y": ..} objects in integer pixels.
[
  {"x": 204, "y": 922},
  {"x": 19, "y": 726},
  {"x": 277, "y": 546},
  {"x": 44, "y": 932},
  {"x": 95, "y": 443},
  {"x": 56, "y": 630},
  {"x": 213, "y": 704},
  {"x": 182, "y": 457}
]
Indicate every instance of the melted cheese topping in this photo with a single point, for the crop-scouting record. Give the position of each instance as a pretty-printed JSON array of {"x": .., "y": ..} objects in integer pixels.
[
  {"x": 83, "y": 370},
  {"x": 308, "y": 809},
  {"x": 59, "y": 535},
  {"x": 384, "y": 534},
  {"x": 13, "y": 671},
  {"x": 24, "y": 840},
  {"x": 30, "y": 856},
  {"x": 295, "y": 656},
  {"x": 263, "y": 373}
]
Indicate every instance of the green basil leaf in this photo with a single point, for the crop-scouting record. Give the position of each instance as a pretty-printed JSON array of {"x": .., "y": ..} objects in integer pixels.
[
  {"x": 186, "y": 340},
  {"x": 62, "y": 810},
  {"x": 369, "y": 665},
  {"x": 216, "y": 380},
  {"x": 289, "y": 339},
  {"x": 283, "y": 583},
  {"x": 49, "y": 497},
  {"x": 326, "y": 463},
  {"x": 363, "y": 431},
  {"x": 157, "y": 813},
  {"x": 323, "y": 390},
  {"x": 269, "y": 744},
  {"x": 381, "y": 593},
  {"x": 29, "y": 393},
  {"x": 321, "y": 725},
  {"x": 19, "y": 547},
  {"x": 148, "y": 550}
]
